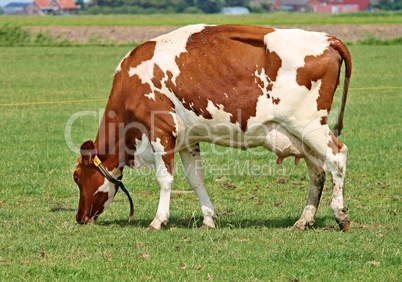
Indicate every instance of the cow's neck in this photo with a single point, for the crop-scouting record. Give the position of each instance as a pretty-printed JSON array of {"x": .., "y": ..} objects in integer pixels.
[{"x": 110, "y": 138}]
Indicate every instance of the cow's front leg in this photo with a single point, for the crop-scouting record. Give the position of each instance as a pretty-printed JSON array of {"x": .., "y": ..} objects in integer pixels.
[
  {"x": 164, "y": 158},
  {"x": 195, "y": 177},
  {"x": 317, "y": 180}
]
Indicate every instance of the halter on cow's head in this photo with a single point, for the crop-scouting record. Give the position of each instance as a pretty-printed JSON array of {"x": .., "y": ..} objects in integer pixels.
[{"x": 97, "y": 185}]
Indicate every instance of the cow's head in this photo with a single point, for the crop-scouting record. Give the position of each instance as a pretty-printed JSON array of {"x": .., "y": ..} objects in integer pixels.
[{"x": 96, "y": 192}]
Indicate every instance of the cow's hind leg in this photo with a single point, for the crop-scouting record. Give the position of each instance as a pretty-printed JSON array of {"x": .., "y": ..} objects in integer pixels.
[
  {"x": 334, "y": 154},
  {"x": 336, "y": 162},
  {"x": 317, "y": 180},
  {"x": 195, "y": 176}
]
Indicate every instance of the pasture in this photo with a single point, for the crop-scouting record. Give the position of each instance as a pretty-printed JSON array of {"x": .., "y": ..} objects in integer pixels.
[
  {"x": 278, "y": 18},
  {"x": 41, "y": 88}
]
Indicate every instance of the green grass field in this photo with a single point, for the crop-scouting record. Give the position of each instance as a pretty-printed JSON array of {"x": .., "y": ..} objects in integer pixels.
[
  {"x": 41, "y": 88},
  {"x": 279, "y": 18}
]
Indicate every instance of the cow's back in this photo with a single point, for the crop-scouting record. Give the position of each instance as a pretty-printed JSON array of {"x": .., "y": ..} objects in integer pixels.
[{"x": 231, "y": 74}]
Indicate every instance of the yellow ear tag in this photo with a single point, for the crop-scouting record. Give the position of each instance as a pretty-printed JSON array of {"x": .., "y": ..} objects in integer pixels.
[{"x": 96, "y": 161}]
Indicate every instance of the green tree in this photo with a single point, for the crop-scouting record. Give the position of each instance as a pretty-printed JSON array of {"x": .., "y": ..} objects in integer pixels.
[
  {"x": 80, "y": 4},
  {"x": 186, "y": 5},
  {"x": 178, "y": 6},
  {"x": 108, "y": 3},
  {"x": 389, "y": 5},
  {"x": 209, "y": 6},
  {"x": 234, "y": 3}
]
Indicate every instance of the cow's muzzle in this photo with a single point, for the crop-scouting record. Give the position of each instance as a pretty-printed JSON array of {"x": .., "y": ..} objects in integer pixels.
[{"x": 86, "y": 219}]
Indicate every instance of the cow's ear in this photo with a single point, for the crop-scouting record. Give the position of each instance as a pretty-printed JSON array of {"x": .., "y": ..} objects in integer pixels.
[{"x": 88, "y": 152}]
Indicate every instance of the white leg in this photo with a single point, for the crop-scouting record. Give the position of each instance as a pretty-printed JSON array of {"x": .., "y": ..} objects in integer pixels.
[
  {"x": 195, "y": 176},
  {"x": 164, "y": 179},
  {"x": 164, "y": 176},
  {"x": 337, "y": 165},
  {"x": 334, "y": 153}
]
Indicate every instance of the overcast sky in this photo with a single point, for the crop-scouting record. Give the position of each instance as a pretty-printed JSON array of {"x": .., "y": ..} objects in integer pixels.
[{"x": 5, "y": 2}]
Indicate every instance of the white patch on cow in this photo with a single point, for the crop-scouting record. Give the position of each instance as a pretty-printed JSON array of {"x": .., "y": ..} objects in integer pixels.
[
  {"x": 293, "y": 45},
  {"x": 191, "y": 105},
  {"x": 297, "y": 105},
  {"x": 109, "y": 188},
  {"x": 147, "y": 150},
  {"x": 145, "y": 71},
  {"x": 176, "y": 124},
  {"x": 159, "y": 149},
  {"x": 283, "y": 143},
  {"x": 150, "y": 96},
  {"x": 168, "y": 47},
  {"x": 143, "y": 155},
  {"x": 218, "y": 113},
  {"x": 264, "y": 79}
]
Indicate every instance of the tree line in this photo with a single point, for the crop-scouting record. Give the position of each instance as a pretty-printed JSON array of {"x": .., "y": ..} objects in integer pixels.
[
  {"x": 188, "y": 6},
  {"x": 389, "y": 5},
  {"x": 163, "y": 6}
]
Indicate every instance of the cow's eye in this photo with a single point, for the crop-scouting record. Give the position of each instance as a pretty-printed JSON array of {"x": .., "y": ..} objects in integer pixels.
[{"x": 76, "y": 178}]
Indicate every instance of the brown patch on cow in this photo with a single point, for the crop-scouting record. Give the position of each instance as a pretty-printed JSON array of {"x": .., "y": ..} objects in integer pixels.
[
  {"x": 142, "y": 53},
  {"x": 271, "y": 71},
  {"x": 324, "y": 120},
  {"x": 335, "y": 144},
  {"x": 135, "y": 113},
  {"x": 275, "y": 101},
  {"x": 325, "y": 67},
  {"x": 155, "y": 115},
  {"x": 261, "y": 84},
  {"x": 219, "y": 66},
  {"x": 143, "y": 115},
  {"x": 158, "y": 76}
]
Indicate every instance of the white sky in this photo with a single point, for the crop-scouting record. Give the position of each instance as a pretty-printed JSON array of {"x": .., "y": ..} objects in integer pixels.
[{"x": 5, "y": 2}]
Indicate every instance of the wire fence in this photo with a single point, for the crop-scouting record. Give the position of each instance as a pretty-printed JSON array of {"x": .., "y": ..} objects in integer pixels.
[{"x": 40, "y": 103}]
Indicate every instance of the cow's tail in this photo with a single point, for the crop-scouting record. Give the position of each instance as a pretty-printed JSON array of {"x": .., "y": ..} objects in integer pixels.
[{"x": 344, "y": 52}]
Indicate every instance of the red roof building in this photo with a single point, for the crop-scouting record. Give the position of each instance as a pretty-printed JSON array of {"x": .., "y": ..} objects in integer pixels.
[
  {"x": 363, "y": 4},
  {"x": 52, "y": 7},
  {"x": 321, "y": 6}
]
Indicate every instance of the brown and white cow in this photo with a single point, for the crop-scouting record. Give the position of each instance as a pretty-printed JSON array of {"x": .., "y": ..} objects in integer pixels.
[{"x": 231, "y": 85}]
